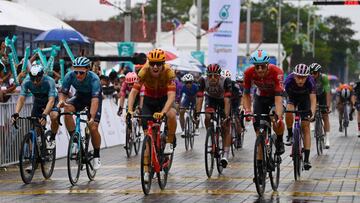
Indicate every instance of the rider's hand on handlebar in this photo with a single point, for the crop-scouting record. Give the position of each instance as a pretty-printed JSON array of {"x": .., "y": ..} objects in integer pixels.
[
  {"x": 119, "y": 113},
  {"x": 248, "y": 118},
  {"x": 14, "y": 117},
  {"x": 61, "y": 104},
  {"x": 42, "y": 119},
  {"x": 158, "y": 115}
]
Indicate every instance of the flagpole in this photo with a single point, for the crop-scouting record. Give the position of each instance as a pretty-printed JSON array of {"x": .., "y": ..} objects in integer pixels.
[
  {"x": 158, "y": 29},
  {"x": 198, "y": 30},
  {"x": 127, "y": 21}
]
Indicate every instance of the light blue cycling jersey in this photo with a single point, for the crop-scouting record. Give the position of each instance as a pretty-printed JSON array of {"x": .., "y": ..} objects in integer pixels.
[
  {"x": 41, "y": 92},
  {"x": 89, "y": 86}
]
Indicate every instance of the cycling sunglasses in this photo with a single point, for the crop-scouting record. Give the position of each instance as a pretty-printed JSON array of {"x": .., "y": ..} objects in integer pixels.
[
  {"x": 158, "y": 64},
  {"x": 213, "y": 75},
  {"x": 79, "y": 72},
  {"x": 260, "y": 66},
  {"x": 35, "y": 78}
]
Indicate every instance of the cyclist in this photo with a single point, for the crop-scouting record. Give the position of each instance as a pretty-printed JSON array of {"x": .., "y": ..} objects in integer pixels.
[
  {"x": 45, "y": 100},
  {"x": 217, "y": 94},
  {"x": 323, "y": 96},
  {"x": 88, "y": 94},
  {"x": 159, "y": 96},
  {"x": 301, "y": 90},
  {"x": 344, "y": 93},
  {"x": 130, "y": 79},
  {"x": 188, "y": 98},
  {"x": 268, "y": 80}
]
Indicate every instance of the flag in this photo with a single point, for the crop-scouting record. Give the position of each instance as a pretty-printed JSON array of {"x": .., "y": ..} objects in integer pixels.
[
  {"x": 143, "y": 19},
  {"x": 213, "y": 29},
  {"x": 177, "y": 24},
  {"x": 105, "y": 2}
]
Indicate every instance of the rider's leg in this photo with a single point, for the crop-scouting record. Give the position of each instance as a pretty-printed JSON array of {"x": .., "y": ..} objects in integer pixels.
[
  {"x": 171, "y": 121},
  {"x": 340, "y": 108},
  {"x": 305, "y": 125},
  {"x": 69, "y": 120},
  {"x": 54, "y": 123},
  {"x": 289, "y": 119},
  {"x": 182, "y": 120}
]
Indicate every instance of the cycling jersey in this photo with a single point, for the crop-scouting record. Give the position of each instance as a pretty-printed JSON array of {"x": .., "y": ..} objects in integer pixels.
[
  {"x": 179, "y": 87},
  {"x": 42, "y": 92},
  {"x": 156, "y": 87},
  {"x": 219, "y": 91},
  {"x": 270, "y": 85},
  {"x": 292, "y": 88},
  {"x": 322, "y": 84},
  {"x": 344, "y": 86},
  {"x": 125, "y": 90},
  {"x": 236, "y": 95},
  {"x": 189, "y": 95},
  {"x": 89, "y": 86}
]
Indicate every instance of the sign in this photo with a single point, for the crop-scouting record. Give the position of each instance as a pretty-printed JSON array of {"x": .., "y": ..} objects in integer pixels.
[
  {"x": 126, "y": 48},
  {"x": 198, "y": 55},
  {"x": 223, "y": 44}
]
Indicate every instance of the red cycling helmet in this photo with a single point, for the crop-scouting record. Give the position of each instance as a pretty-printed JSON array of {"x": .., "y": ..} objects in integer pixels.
[
  {"x": 213, "y": 68},
  {"x": 131, "y": 77}
]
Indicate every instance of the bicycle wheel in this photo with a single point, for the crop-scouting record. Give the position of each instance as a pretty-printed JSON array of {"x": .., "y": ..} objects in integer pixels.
[
  {"x": 48, "y": 160},
  {"x": 27, "y": 158},
  {"x": 259, "y": 165},
  {"x": 192, "y": 134},
  {"x": 318, "y": 136},
  {"x": 163, "y": 173},
  {"x": 91, "y": 173},
  {"x": 297, "y": 154},
  {"x": 137, "y": 138},
  {"x": 274, "y": 161},
  {"x": 209, "y": 152},
  {"x": 146, "y": 165},
  {"x": 128, "y": 142},
  {"x": 187, "y": 133},
  {"x": 233, "y": 145},
  {"x": 346, "y": 119},
  {"x": 219, "y": 150},
  {"x": 74, "y": 158}
]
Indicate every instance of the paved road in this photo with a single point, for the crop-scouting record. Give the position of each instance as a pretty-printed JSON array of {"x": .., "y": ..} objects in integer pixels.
[{"x": 333, "y": 178}]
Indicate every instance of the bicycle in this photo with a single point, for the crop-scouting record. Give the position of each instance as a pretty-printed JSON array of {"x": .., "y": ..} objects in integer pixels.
[
  {"x": 155, "y": 161},
  {"x": 33, "y": 151},
  {"x": 347, "y": 110},
  {"x": 78, "y": 149},
  {"x": 237, "y": 138},
  {"x": 265, "y": 146},
  {"x": 133, "y": 136},
  {"x": 214, "y": 148},
  {"x": 189, "y": 136},
  {"x": 319, "y": 128},
  {"x": 297, "y": 149}
]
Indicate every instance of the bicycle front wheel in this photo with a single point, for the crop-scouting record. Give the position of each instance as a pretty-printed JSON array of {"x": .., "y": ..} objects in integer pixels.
[
  {"x": 192, "y": 134},
  {"x": 146, "y": 167},
  {"x": 219, "y": 151},
  {"x": 137, "y": 138},
  {"x": 234, "y": 140},
  {"x": 91, "y": 173},
  {"x": 74, "y": 158},
  {"x": 319, "y": 136},
  {"x": 259, "y": 165},
  {"x": 297, "y": 155},
  {"x": 187, "y": 133},
  {"x": 274, "y": 162},
  {"x": 209, "y": 152},
  {"x": 48, "y": 161},
  {"x": 128, "y": 142},
  {"x": 27, "y": 158}
]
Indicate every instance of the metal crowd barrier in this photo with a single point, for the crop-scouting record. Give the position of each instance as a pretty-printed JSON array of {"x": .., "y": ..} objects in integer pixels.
[{"x": 10, "y": 139}]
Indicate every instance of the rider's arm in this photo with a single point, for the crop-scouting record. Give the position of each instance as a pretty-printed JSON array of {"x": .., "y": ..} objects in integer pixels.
[
  {"x": 49, "y": 105},
  {"x": 133, "y": 93},
  {"x": 65, "y": 88},
  {"x": 122, "y": 95},
  {"x": 170, "y": 100},
  {"x": 227, "y": 96},
  {"x": 94, "y": 106},
  {"x": 279, "y": 90},
  {"x": 313, "y": 103},
  {"x": 23, "y": 93},
  {"x": 20, "y": 103},
  {"x": 279, "y": 106},
  {"x": 200, "y": 94},
  {"x": 247, "y": 87}
]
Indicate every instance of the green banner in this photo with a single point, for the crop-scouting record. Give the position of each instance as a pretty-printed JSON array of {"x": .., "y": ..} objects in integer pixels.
[
  {"x": 199, "y": 55},
  {"x": 126, "y": 48}
]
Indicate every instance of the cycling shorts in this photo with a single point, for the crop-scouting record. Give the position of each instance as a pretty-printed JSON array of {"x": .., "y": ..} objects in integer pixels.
[{"x": 80, "y": 101}]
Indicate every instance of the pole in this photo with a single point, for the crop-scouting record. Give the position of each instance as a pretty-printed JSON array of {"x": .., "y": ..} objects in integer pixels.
[
  {"x": 346, "y": 75},
  {"x": 298, "y": 23},
  {"x": 198, "y": 30},
  {"x": 308, "y": 31},
  {"x": 248, "y": 24},
  {"x": 313, "y": 44},
  {"x": 279, "y": 61},
  {"x": 127, "y": 21},
  {"x": 158, "y": 26}
]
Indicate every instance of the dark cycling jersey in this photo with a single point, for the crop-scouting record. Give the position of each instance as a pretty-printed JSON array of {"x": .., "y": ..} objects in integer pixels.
[
  {"x": 189, "y": 95},
  {"x": 236, "y": 94},
  {"x": 218, "y": 91},
  {"x": 42, "y": 92},
  {"x": 89, "y": 86},
  {"x": 292, "y": 88}
]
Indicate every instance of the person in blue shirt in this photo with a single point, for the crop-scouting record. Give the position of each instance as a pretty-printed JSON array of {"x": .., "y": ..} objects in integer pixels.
[
  {"x": 300, "y": 87},
  {"x": 88, "y": 94},
  {"x": 188, "y": 99},
  {"x": 45, "y": 100}
]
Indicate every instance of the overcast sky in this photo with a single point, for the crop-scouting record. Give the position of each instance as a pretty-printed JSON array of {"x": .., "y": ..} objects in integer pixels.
[{"x": 92, "y": 10}]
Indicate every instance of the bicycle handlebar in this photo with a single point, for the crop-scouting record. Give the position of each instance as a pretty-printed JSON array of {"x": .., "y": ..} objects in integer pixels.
[
  {"x": 71, "y": 113},
  {"x": 31, "y": 118}
]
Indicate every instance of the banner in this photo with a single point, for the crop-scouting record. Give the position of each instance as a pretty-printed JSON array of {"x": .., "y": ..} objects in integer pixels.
[{"x": 223, "y": 44}]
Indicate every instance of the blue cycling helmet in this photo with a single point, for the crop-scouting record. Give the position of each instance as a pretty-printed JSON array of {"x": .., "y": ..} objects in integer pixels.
[
  {"x": 259, "y": 57},
  {"x": 81, "y": 62}
]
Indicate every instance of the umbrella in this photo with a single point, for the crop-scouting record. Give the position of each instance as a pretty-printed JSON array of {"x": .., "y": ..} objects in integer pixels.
[
  {"x": 56, "y": 35},
  {"x": 332, "y": 77}
]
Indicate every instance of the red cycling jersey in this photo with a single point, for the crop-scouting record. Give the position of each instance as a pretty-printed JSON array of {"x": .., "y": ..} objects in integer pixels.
[{"x": 270, "y": 85}]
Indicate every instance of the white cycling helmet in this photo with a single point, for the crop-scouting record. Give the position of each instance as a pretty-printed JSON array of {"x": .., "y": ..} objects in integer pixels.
[
  {"x": 301, "y": 70},
  {"x": 226, "y": 73},
  {"x": 36, "y": 70},
  {"x": 187, "y": 78},
  {"x": 345, "y": 93}
]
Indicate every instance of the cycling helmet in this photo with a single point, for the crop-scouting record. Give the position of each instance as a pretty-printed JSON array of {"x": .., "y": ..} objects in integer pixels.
[
  {"x": 226, "y": 73},
  {"x": 121, "y": 76},
  {"x": 36, "y": 71},
  {"x": 301, "y": 70},
  {"x": 213, "y": 68},
  {"x": 315, "y": 67},
  {"x": 345, "y": 93},
  {"x": 81, "y": 62},
  {"x": 240, "y": 77},
  {"x": 187, "y": 78},
  {"x": 259, "y": 57},
  {"x": 156, "y": 55},
  {"x": 131, "y": 77}
]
